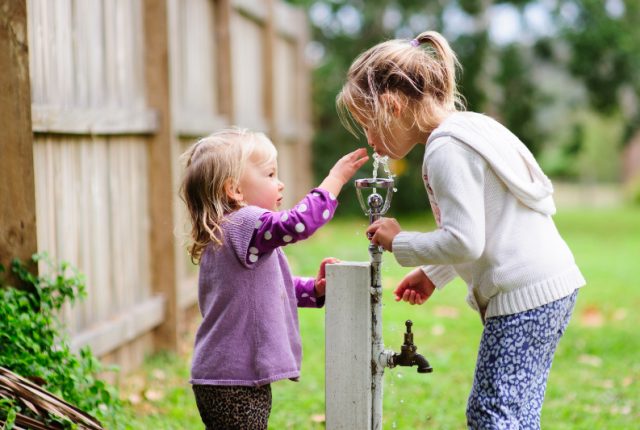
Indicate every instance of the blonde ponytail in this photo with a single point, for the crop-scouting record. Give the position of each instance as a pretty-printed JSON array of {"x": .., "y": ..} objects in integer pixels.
[{"x": 448, "y": 63}]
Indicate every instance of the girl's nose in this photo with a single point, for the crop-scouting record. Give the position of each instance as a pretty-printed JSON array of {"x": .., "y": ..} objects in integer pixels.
[
  {"x": 369, "y": 140},
  {"x": 280, "y": 185}
]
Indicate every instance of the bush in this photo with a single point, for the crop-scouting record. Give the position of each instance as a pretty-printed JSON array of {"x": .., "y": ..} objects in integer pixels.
[{"x": 34, "y": 344}]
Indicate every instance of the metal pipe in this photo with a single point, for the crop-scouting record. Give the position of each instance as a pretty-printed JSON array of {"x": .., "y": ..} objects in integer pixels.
[
  {"x": 376, "y": 206},
  {"x": 377, "y": 343}
]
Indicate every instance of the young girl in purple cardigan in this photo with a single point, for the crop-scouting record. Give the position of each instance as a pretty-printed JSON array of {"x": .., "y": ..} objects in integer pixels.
[{"x": 248, "y": 298}]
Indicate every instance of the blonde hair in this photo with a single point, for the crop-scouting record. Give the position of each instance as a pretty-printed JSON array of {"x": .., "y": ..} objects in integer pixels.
[
  {"x": 420, "y": 74},
  {"x": 211, "y": 163}
]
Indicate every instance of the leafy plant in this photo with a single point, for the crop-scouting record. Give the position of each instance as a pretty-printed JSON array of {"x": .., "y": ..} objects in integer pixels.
[{"x": 35, "y": 345}]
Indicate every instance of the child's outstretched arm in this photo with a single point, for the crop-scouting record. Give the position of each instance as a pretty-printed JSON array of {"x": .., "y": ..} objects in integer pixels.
[
  {"x": 275, "y": 229},
  {"x": 310, "y": 291}
]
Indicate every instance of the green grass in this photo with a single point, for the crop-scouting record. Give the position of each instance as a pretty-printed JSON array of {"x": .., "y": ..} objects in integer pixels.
[{"x": 594, "y": 382}]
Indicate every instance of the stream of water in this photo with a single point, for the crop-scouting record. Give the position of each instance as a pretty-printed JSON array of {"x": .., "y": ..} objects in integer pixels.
[{"x": 382, "y": 160}]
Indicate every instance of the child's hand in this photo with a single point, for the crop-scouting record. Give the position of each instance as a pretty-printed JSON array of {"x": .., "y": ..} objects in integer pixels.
[
  {"x": 382, "y": 232},
  {"x": 348, "y": 165},
  {"x": 321, "y": 282},
  {"x": 343, "y": 170},
  {"x": 415, "y": 288}
]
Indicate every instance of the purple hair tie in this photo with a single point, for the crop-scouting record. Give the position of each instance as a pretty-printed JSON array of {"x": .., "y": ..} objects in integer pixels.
[{"x": 415, "y": 43}]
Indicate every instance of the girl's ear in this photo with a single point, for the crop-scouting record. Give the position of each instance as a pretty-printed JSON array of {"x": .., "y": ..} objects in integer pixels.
[
  {"x": 233, "y": 191},
  {"x": 392, "y": 104}
]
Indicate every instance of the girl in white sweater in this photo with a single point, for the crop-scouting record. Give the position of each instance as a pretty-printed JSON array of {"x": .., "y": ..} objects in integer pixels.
[{"x": 493, "y": 206}]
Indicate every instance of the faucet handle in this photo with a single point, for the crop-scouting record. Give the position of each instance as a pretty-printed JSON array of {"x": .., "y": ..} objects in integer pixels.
[
  {"x": 408, "y": 336},
  {"x": 408, "y": 323}
]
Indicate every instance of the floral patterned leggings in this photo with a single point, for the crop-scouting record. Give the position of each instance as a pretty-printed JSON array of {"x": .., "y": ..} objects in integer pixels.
[{"x": 514, "y": 360}]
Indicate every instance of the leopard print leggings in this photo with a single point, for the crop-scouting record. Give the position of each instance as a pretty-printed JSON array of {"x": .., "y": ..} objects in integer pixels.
[{"x": 233, "y": 407}]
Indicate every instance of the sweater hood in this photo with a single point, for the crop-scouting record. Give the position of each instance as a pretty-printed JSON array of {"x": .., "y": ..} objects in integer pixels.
[{"x": 503, "y": 151}]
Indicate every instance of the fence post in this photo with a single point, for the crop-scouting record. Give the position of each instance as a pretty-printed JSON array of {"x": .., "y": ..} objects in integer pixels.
[
  {"x": 348, "y": 347},
  {"x": 161, "y": 187},
  {"x": 225, "y": 72},
  {"x": 18, "y": 232}
]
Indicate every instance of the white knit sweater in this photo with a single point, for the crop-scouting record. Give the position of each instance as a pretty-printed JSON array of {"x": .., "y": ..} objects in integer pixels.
[{"x": 493, "y": 207}]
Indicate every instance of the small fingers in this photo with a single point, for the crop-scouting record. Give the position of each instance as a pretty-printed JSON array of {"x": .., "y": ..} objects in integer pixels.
[
  {"x": 371, "y": 230},
  {"x": 330, "y": 260},
  {"x": 323, "y": 264},
  {"x": 358, "y": 153},
  {"x": 355, "y": 155},
  {"x": 361, "y": 162},
  {"x": 412, "y": 297},
  {"x": 398, "y": 292},
  {"x": 406, "y": 295}
]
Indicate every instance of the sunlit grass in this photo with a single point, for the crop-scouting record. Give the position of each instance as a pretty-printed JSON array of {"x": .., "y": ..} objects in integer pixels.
[{"x": 594, "y": 383}]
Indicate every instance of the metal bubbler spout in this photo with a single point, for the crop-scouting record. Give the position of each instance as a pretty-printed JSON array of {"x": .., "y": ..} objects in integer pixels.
[{"x": 376, "y": 205}]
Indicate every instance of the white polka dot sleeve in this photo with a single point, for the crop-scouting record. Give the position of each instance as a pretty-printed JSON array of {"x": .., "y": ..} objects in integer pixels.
[
  {"x": 275, "y": 229},
  {"x": 306, "y": 293}
]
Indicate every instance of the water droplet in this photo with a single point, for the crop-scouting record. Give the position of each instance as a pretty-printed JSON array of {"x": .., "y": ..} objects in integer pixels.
[
  {"x": 401, "y": 400},
  {"x": 399, "y": 375}
]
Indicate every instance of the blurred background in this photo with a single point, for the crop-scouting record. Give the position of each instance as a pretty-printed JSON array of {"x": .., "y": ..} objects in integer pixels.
[
  {"x": 563, "y": 75},
  {"x": 98, "y": 99}
]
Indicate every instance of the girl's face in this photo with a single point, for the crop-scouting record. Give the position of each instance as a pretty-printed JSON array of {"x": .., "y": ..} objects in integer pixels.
[
  {"x": 399, "y": 138},
  {"x": 396, "y": 142},
  {"x": 260, "y": 185}
]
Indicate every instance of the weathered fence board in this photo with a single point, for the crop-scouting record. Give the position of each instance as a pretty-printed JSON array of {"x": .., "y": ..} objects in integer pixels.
[{"x": 17, "y": 204}]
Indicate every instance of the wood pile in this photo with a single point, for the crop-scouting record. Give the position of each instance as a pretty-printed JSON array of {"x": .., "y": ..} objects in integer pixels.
[{"x": 41, "y": 404}]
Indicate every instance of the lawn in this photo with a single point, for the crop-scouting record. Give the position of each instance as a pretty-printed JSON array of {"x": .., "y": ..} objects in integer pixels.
[{"x": 594, "y": 382}]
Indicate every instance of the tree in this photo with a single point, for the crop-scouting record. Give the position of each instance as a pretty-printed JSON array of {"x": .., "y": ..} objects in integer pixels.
[
  {"x": 603, "y": 43},
  {"x": 593, "y": 40}
]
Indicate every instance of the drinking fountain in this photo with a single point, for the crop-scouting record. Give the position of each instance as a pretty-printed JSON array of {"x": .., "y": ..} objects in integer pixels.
[
  {"x": 375, "y": 206},
  {"x": 355, "y": 356}
]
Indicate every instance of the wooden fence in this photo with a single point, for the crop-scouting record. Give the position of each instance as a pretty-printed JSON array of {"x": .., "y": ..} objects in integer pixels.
[{"x": 92, "y": 121}]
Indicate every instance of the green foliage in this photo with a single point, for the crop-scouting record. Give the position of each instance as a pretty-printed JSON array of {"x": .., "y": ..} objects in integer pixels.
[
  {"x": 8, "y": 412},
  {"x": 515, "y": 81},
  {"x": 35, "y": 346},
  {"x": 604, "y": 54},
  {"x": 590, "y": 151},
  {"x": 603, "y": 48},
  {"x": 471, "y": 50},
  {"x": 541, "y": 86}
]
